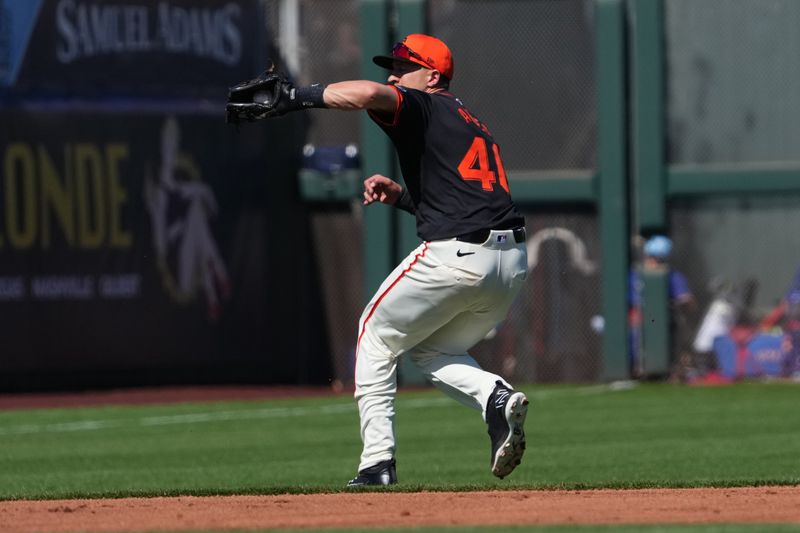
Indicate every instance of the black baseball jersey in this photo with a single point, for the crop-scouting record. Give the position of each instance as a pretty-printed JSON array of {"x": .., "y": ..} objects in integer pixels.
[{"x": 451, "y": 166}]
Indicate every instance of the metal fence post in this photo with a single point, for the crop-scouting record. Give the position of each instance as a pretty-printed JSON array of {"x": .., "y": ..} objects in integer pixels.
[
  {"x": 649, "y": 177},
  {"x": 411, "y": 18},
  {"x": 376, "y": 150},
  {"x": 612, "y": 198}
]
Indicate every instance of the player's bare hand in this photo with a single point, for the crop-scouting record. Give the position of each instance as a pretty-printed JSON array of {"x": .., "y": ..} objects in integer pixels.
[{"x": 378, "y": 188}]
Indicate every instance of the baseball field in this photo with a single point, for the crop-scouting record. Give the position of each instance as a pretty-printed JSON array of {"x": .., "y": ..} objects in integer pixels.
[{"x": 651, "y": 457}]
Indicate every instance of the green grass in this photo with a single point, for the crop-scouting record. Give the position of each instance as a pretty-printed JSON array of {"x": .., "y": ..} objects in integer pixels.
[{"x": 578, "y": 437}]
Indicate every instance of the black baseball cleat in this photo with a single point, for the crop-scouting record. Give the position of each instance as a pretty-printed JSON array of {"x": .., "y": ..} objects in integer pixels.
[
  {"x": 383, "y": 473},
  {"x": 505, "y": 415}
]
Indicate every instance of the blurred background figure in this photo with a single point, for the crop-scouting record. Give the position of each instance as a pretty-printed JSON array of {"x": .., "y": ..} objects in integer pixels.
[
  {"x": 729, "y": 313},
  {"x": 655, "y": 256},
  {"x": 787, "y": 315}
]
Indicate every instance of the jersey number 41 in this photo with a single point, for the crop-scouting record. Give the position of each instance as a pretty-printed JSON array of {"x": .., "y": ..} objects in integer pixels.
[{"x": 475, "y": 165}]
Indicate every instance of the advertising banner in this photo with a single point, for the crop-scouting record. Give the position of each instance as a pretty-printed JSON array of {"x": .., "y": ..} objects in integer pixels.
[
  {"x": 154, "y": 244},
  {"x": 166, "y": 48}
]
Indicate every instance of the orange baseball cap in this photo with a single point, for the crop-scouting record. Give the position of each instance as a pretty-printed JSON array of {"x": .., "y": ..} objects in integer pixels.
[{"x": 423, "y": 50}]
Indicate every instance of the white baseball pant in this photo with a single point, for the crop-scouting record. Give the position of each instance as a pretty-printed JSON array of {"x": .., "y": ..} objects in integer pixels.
[{"x": 440, "y": 301}]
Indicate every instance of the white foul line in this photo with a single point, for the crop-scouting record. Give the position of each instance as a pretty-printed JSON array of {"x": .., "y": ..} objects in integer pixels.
[{"x": 269, "y": 412}]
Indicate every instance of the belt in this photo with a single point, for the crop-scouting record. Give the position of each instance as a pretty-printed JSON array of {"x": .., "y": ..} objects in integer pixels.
[{"x": 480, "y": 236}]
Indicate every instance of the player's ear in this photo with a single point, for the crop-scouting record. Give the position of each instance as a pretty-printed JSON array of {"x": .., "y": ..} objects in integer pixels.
[{"x": 434, "y": 76}]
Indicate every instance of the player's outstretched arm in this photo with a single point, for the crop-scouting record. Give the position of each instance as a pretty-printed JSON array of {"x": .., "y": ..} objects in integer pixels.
[
  {"x": 273, "y": 95},
  {"x": 360, "y": 94}
]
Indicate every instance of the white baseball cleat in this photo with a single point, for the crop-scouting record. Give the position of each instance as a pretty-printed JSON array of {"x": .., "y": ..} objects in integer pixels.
[{"x": 505, "y": 415}]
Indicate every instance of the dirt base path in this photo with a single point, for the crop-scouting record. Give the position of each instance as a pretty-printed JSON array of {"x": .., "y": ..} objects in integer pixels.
[{"x": 647, "y": 506}]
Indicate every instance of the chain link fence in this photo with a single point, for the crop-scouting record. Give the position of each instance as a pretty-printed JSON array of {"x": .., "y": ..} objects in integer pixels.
[
  {"x": 733, "y": 95},
  {"x": 533, "y": 84},
  {"x": 534, "y": 87},
  {"x": 733, "y": 84},
  {"x": 319, "y": 41},
  {"x": 549, "y": 334},
  {"x": 526, "y": 68}
]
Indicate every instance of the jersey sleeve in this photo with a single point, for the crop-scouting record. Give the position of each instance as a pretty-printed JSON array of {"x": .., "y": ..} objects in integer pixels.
[
  {"x": 412, "y": 112},
  {"x": 388, "y": 120},
  {"x": 405, "y": 202}
]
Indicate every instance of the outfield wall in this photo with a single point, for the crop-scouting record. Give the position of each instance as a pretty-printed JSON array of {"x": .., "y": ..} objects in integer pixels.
[
  {"x": 142, "y": 239},
  {"x": 113, "y": 148}
]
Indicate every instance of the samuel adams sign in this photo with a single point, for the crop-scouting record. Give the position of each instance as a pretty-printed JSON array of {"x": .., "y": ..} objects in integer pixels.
[{"x": 171, "y": 48}]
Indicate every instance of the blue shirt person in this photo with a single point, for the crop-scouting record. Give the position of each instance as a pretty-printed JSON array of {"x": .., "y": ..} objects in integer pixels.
[{"x": 656, "y": 253}]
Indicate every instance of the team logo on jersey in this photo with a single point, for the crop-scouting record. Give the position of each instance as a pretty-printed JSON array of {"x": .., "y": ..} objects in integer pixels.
[{"x": 180, "y": 207}]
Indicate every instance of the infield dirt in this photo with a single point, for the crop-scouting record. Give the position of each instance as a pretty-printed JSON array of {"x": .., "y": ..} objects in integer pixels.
[{"x": 317, "y": 511}]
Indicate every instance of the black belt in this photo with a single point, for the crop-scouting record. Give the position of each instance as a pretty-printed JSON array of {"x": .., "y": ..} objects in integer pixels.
[{"x": 480, "y": 236}]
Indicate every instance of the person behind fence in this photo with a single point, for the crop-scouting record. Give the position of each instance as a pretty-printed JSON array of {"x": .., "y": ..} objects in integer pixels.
[
  {"x": 787, "y": 314},
  {"x": 656, "y": 253}
]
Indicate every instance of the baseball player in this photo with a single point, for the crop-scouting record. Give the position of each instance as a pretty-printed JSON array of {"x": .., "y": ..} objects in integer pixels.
[{"x": 459, "y": 283}]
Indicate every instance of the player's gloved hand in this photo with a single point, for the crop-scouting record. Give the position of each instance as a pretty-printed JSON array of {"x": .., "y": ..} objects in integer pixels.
[
  {"x": 267, "y": 96},
  {"x": 258, "y": 98}
]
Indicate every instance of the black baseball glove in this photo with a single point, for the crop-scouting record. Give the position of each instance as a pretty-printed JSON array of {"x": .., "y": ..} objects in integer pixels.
[{"x": 266, "y": 96}]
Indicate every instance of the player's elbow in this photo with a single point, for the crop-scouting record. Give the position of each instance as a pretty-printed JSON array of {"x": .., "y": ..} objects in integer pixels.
[
  {"x": 371, "y": 95},
  {"x": 383, "y": 98}
]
